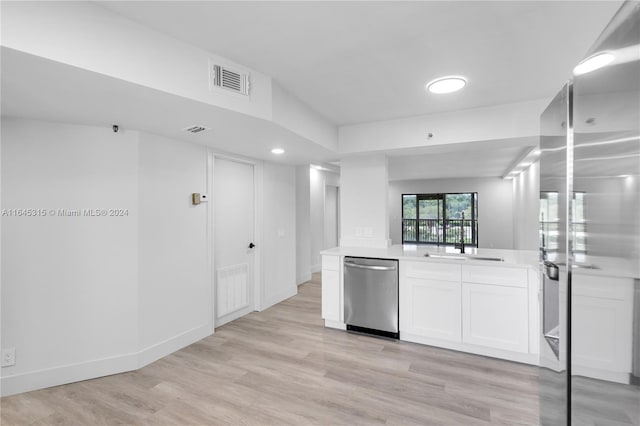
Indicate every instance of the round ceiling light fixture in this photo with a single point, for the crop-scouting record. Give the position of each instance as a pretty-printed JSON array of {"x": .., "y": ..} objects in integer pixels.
[
  {"x": 277, "y": 151},
  {"x": 593, "y": 63},
  {"x": 447, "y": 84}
]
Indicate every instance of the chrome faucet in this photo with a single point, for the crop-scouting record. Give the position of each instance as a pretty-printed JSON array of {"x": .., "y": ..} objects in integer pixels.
[{"x": 460, "y": 245}]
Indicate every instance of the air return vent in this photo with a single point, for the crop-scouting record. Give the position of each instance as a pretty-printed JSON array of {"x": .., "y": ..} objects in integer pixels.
[
  {"x": 232, "y": 80},
  {"x": 195, "y": 129}
]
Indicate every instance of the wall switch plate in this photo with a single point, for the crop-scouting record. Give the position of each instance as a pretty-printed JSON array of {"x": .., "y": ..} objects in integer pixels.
[{"x": 8, "y": 357}]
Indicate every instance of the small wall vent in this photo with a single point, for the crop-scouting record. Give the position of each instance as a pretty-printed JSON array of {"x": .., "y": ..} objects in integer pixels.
[
  {"x": 226, "y": 78},
  {"x": 195, "y": 129}
]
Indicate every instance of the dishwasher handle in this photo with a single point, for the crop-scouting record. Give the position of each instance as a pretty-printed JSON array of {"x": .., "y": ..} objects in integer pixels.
[{"x": 373, "y": 267}]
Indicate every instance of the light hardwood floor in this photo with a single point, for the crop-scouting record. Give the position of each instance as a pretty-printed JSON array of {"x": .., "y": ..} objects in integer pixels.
[{"x": 281, "y": 366}]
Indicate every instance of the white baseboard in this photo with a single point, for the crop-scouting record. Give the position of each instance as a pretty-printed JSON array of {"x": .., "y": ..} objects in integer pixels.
[
  {"x": 335, "y": 324},
  {"x": 61, "y": 375},
  {"x": 40, "y": 379},
  {"x": 283, "y": 295},
  {"x": 304, "y": 278},
  {"x": 597, "y": 373},
  {"x": 525, "y": 358},
  {"x": 160, "y": 350}
]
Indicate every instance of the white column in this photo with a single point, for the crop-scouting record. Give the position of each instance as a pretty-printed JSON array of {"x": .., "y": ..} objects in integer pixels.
[{"x": 364, "y": 206}]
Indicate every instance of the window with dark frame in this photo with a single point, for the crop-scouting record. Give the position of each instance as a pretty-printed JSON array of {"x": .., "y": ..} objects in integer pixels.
[{"x": 437, "y": 218}]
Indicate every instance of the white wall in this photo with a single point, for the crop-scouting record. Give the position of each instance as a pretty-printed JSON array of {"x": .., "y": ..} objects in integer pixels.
[
  {"x": 526, "y": 208},
  {"x": 303, "y": 226},
  {"x": 293, "y": 114},
  {"x": 88, "y": 36},
  {"x": 331, "y": 216},
  {"x": 279, "y": 233},
  {"x": 174, "y": 282},
  {"x": 84, "y": 297},
  {"x": 69, "y": 284},
  {"x": 364, "y": 214},
  {"x": 495, "y": 206},
  {"x": 318, "y": 180},
  {"x": 611, "y": 207}
]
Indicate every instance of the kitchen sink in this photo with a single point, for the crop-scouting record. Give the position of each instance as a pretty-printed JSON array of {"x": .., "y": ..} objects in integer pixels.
[{"x": 463, "y": 257}]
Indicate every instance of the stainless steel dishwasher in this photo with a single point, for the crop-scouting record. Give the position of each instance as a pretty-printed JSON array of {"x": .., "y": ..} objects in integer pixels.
[{"x": 371, "y": 296}]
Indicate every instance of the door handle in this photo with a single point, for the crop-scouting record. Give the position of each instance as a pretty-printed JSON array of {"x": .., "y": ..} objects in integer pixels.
[
  {"x": 375, "y": 268},
  {"x": 251, "y": 245}
]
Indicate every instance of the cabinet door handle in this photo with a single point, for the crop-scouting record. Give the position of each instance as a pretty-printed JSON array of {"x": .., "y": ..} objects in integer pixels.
[{"x": 375, "y": 268}]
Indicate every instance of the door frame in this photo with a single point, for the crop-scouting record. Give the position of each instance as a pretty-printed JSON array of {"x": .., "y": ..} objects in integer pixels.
[{"x": 257, "y": 228}]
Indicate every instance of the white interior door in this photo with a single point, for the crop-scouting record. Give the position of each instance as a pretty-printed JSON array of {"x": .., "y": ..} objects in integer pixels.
[{"x": 234, "y": 238}]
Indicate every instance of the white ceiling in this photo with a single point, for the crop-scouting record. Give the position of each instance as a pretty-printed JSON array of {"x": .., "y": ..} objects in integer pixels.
[
  {"x": 38, "y": 88},
  {"x": 351, "y": 61},
  {"x": 462, "y": 160},
  {"x": 362, "y": 61}
]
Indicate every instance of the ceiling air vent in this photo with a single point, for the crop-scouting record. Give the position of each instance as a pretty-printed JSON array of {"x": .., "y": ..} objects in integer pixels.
[
  {"x": 234, "y": 81},
  {"x": 195, "y": 129}
]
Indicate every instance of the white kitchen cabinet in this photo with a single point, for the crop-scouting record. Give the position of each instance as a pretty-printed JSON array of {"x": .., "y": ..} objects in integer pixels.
[
  {"x": 430, "y": 296},
  {"x": 496, "y": 275},
  {"x": 331, "y": 289},
  {"x": 495, "y": 316},
  {"x": 478, "y": 307},
  {"x": 602, "y": 321},
  {"x": 495, "y": 307}
]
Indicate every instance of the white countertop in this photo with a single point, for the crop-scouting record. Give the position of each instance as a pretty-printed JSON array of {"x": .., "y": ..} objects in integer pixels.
[
  {"x": 604, "y": 266},
  {"x": 519, "y": 258}
]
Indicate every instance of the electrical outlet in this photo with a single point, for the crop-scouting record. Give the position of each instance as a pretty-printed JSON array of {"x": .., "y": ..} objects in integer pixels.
[{"x": 8, "y": 357}]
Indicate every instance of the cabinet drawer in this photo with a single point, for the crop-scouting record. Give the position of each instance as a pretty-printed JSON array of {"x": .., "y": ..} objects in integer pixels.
[
  {"x": 514, "y": 277},
  {"x": 602, "y": 287},
  {"x": 431, "y": 271},
  {"x": 331, "y": 263}
]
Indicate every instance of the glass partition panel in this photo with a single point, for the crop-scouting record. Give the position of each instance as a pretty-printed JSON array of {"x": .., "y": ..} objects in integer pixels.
[{"x": 605, "y": 295}]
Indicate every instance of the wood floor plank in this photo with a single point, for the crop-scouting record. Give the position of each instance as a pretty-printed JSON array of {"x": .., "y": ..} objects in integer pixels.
[{"x": 281, "y": 366}]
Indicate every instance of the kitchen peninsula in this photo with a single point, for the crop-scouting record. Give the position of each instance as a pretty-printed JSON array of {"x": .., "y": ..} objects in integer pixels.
[{"x": 484, "y": 301}]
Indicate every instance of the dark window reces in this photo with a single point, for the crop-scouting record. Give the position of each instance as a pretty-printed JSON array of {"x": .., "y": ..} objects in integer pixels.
[{"x": 437, "y": 218}]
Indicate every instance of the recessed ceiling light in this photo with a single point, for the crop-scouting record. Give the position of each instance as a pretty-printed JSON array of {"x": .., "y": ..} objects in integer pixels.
[
  {"x": 446, "y": 84},
  {"x": 593, "y": 63},
  {"x": 277, "y": 151}
]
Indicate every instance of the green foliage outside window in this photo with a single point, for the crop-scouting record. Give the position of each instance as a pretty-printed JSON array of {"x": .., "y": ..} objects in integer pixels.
[{"x": 436, "y": 218}]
